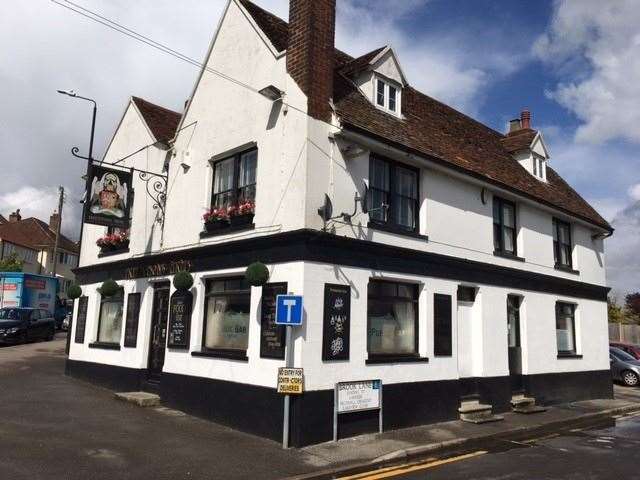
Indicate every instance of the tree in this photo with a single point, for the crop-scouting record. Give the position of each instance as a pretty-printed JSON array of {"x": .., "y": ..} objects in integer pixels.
[
  {"x": 615, "y": 311},
  {"x": 11, "y": 264},
  {"x": 632, "y": 303}
]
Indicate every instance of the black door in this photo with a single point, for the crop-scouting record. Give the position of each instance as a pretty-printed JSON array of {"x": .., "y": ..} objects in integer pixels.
[
  {"x": 513, "y": 334},
  {"x": 158, "y": 331}
]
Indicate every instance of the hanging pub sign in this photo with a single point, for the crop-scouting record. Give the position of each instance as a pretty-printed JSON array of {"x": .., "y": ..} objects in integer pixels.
[
  {"x": 272, "y": 336},
  {"x": 336, "y": 322},
  {"x": 109, "y": 197},
  {"x": 180, "y": 309}
]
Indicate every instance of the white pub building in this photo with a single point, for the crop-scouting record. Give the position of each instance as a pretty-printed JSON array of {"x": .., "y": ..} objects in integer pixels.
[{"x": 444, "y": 261}]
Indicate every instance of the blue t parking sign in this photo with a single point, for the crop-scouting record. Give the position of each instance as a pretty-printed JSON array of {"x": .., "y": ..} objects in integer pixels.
[{"x": 289, "y": 310}]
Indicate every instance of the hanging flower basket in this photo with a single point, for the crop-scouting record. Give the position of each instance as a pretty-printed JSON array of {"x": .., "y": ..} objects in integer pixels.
[
  {"x": 74, "y": 291},
  {"x": 257, "y": 274},
  {"x": 109, "y": 288},
  {"x": 114, "y": 242},
  {"x": 183, "y": 280}
]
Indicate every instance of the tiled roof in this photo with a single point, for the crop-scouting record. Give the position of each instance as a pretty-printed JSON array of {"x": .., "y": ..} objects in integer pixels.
[
  {"x": 161, "y": 121},
  {"x": 360, "y": 63},
  {"x": 433, "y": 129},
  {"x": 519, "y": 140},
  {"x": 35, "y": 234}
]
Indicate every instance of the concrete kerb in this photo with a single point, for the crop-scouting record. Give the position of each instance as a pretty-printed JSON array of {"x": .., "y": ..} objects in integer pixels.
[{"x": 421, "y": 452}]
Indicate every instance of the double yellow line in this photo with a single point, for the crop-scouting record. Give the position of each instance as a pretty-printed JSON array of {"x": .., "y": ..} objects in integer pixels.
[{"x": 404, "y": 469}]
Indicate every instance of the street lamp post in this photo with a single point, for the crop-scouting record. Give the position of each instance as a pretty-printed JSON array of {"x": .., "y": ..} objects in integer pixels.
[{"x": 74, "y": 151}]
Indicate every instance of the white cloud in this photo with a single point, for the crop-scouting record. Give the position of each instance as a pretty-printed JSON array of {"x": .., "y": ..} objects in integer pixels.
[
  {"x": 597, "y": 47},
  {"x": 622, "y": 260},
  {"x": 634, "y": 191}
]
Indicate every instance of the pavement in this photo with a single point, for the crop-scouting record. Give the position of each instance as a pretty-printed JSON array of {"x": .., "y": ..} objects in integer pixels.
[{"x": 57, "y": 427}]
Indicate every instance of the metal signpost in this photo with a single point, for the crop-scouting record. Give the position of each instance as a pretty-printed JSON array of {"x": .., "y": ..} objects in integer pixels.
[
  {"x": 289, "y": 313},
  {"x": 359, "y": 396}
]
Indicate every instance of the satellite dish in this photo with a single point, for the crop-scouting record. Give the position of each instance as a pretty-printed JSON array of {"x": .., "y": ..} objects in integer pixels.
[
  {"x": 326, "y": 210},
  {"x": 364, "y": 199}
]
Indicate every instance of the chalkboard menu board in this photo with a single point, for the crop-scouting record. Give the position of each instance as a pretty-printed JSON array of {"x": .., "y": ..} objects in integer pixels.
[
  {"x": 81, "y": 319},
  {"x": 272, "y": 336},
  {"x": 180, "y": 309},
  {"x": 131, "y": 326},
  {"x": 336, "y": 322}
]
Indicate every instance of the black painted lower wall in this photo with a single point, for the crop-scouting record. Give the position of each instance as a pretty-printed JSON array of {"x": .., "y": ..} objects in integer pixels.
[{"x": 259, "y": 410}]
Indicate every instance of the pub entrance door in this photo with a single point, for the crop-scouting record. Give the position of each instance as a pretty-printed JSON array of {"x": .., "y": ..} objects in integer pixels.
[
  {"x": 158, "y": 341},
  {"x": 515, "y": 350}
]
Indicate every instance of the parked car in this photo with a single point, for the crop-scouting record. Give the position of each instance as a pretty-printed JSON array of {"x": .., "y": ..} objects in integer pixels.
[
  {"x": 21, "y": 325},
  {"x": 624, "y": 367},
  {"x": 631, "y": 349}
]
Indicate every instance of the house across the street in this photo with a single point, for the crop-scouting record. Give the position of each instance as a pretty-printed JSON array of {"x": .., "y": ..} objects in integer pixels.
[{"x": 441, "y": 264}]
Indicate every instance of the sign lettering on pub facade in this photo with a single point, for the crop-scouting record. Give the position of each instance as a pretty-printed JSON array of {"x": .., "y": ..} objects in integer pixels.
[
  {"x": 272, "y": 336},
  {"x": 336, "y": 322},
  {"x": 108, "y": 197},
  {"x": 158, "y": 269},
  {"x": 180, "y": 309}
]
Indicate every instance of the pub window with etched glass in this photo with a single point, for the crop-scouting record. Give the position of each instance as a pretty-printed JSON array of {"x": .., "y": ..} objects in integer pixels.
[
  {"x": 392, "y": 319},
  {"x": 562, "y": 247},
  {"x": 110, "y": 320},
  {"x": 393, "y": 194},
  {"x": 227, "y": 307},
  {"x": 566, "y": 328},
  {"x": 504, "y": 227},
  {"x": 234, "y": 180}
]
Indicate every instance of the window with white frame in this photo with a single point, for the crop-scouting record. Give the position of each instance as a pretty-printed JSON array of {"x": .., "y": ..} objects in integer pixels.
[
  {"x": 539, "y": 167},
  {"x": 387, "y": 96},
  {"x": 566, "y": 328}
]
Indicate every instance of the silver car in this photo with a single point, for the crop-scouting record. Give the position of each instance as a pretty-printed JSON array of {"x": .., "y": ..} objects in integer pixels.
[{"x": 624, "y": 367}]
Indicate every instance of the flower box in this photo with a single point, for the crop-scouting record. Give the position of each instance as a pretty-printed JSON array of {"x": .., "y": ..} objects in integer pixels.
[
  {"x": 212, "y": 226},
  {"x": 114, "y": 242},
  {"x": 240, "y": 220}
]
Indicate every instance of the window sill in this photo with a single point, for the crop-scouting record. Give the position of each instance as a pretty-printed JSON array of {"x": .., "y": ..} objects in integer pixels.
[
  {"x": 109, "y": 253},
  {"x": 498, "y": 253},
  {"x": 227, "y": 230},
  {"x": 398, "y": 231},
  {"x": 564, "y": 268},
  {"x": 105, "y": 345},
  {"x": 377, "y": 360},
  {"x": 240, "y": 355},
  {"x": 569, "y": 355}
]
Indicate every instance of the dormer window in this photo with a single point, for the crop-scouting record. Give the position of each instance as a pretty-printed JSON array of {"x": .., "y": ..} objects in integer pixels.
[
  {"x": 387, "y": 96},
  {"x": 539, "y": 167}
]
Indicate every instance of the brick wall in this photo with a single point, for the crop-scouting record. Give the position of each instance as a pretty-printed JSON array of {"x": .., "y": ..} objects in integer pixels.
[{"x": 310, "y": 52}]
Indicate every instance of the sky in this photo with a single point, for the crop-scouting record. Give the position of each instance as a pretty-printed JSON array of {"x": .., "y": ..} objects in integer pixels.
[{"x": 574, "y": 63}]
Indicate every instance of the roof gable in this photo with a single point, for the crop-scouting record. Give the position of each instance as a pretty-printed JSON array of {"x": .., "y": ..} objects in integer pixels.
[
  {"x": 162, "y": 122},
  {"x": 35, "y": 234}
]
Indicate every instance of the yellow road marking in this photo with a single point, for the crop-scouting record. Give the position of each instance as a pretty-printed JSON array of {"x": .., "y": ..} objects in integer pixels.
[
  {"x": 546, "y": 437},
  {"x": 403, "y": 469}
]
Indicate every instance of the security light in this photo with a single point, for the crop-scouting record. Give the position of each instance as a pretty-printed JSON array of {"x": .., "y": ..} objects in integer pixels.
[
  {"x": 272, "y": 92},
  {"x": 71, "y": 93}
]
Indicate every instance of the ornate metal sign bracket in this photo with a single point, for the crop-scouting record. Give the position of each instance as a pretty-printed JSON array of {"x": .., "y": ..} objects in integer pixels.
[{"x": 156, "y": 186}]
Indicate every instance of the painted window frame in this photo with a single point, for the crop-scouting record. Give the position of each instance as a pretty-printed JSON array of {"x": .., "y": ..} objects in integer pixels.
[
  {"x": 387, "y": 85},
  {"x": 573, "y": 306},
  {"x": 500, "y": 249},
  {"x": 235, "y": 188},
  {"x": 557, "y": 225},
  {"x": 110, "y": 299},
  {"x": 514, "y": 304},
  {"x": 390, "y": 223},
  {"x": 224, "y": 352},
  {"x": 415, "y": 299}
]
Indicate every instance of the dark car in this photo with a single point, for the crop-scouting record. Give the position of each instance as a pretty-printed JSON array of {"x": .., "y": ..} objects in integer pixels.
[
  {"x": 631, "y": 349},
  {"x": 624, "y": 367},
  {"x": 21, "y": 325}
]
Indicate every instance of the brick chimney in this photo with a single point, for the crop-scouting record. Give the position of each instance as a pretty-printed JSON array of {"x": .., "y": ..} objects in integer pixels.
[
  {"x": 54, "y": 221},
  {"x": 15, "y": 216},
  {"x": 525, "y": 119},
  {"x": 310, "y": 52}
]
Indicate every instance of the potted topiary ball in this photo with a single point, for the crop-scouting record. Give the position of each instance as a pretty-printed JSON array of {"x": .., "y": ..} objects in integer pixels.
[
  {"x": 109, "y": 288},
  {"x": 183, "y": 280},
  {"x": 74, "y": 291},
  {"x": 257, "y": 274}
]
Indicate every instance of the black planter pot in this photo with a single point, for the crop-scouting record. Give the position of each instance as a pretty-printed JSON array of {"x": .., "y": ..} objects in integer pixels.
[
  {"x": 240, "y": 220},
  {"x": 115, "y": 248},
  {"x": 215, "y": 225}
]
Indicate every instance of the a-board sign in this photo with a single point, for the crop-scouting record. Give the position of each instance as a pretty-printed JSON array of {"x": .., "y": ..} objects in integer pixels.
[
  {"x": 180, "y": 319},
  {"x": 81, "y": 319},
  {"x": 272, "y": 336},
  {"x": 336, "y": 322},
  {"x": 359, "y": 396},
  {"x": 131, "y": 324},
  {"x": 290, "y": 380},
  {"x": 289, "y": 310}
]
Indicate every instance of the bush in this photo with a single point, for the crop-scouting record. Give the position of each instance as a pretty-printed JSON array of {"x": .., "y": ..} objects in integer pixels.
[
  {"x": 257, "y": 274},
  {"x": 109, "y": 288},
  {"x": 182, "y": 280},
  {"x": 74, "y": 291}
]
